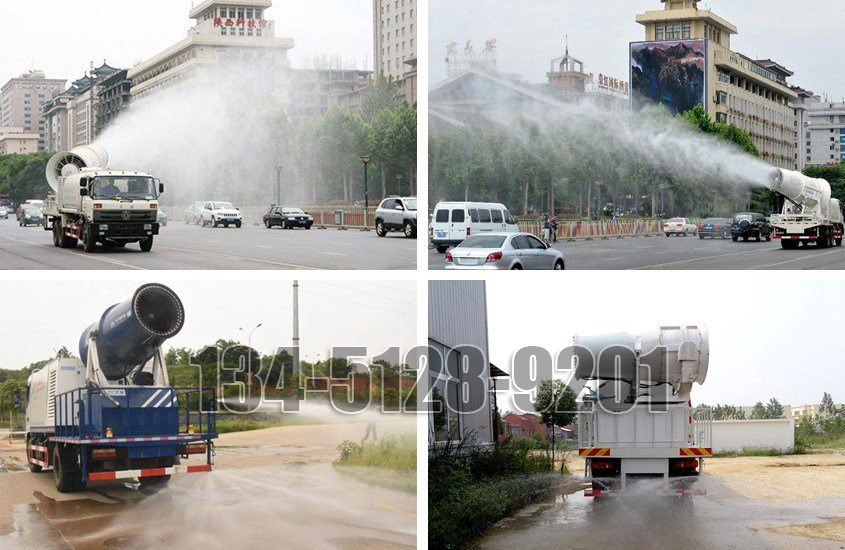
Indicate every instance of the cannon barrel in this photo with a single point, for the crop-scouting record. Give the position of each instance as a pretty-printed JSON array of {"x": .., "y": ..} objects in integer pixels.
[
  {"x": 129, "y": 333},
  {"x": 683, "y": 360},
  {"x": 800, "y": 189},
  {"x": 67, "y": 163}
]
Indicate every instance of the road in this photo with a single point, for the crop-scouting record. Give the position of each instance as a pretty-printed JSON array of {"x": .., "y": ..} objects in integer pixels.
[
  {"x": 686, "y": 253},
  {"x": 192, "y": 247},
  {"x": 734, "y": 514},
  {"x": 270, "y": 488}
]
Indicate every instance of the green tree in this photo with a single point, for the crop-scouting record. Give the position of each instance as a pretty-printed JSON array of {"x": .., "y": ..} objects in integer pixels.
[
  {"x": 774, "y": 409},
  {"x": 555, "y": 403},
  {"x": 759, "y": 411}
]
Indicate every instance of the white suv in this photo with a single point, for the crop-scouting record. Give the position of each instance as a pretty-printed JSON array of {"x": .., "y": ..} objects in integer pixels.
[
  {"x": 220, "y": 213},
  {"x": 397, "y": 214}
]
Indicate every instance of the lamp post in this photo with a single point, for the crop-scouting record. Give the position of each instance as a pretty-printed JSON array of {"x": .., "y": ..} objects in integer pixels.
[
  {"x": 278, "y": 185},
  {"x": 249, "y": 363},
  {"x": 399, "y": 184},
  {"x": 366, "y": 160}
]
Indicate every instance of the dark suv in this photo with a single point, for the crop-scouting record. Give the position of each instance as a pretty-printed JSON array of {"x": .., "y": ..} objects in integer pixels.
[{"x": 750, "y": 224}]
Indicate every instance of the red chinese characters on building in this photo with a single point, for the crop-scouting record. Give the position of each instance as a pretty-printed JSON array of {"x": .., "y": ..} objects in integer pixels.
[
  {"x": 251, "y": 24},
  {"x": 262, "y": 23},
  {"x": 241, "y": 21},
  {"x": 230, "y": 23},
  {"x": 218, "y": 21}
]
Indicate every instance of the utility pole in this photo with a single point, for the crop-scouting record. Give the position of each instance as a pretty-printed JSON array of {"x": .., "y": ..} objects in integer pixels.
[
  {"x": 278, "y": 185},
  {"x": 295, "y": 327}
]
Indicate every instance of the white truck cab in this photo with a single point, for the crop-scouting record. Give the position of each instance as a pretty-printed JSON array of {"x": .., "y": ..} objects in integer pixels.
[{"x": 452, "y": 222}]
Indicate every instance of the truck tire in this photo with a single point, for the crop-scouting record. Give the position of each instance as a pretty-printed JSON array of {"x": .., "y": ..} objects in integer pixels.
[
  {"x": 788, "y": 244},
  {"x": 68, "y": 477},
  {"x": 147, "y": 245},
  {"x": 89, "y": 241},
  {"x": 57, "y": 234},
  {"x": 823, "y": 238}
]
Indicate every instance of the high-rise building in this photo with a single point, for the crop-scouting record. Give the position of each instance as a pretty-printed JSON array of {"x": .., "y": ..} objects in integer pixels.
[
  {"x": 228, "y": 36},
  {"x": 16, "y": 140},
  {"x": 21, "y": 100},
  {"x": 736, "y": 89},
  {"x": 821, "y": 136},
  {"x": 395, "y": 43}
]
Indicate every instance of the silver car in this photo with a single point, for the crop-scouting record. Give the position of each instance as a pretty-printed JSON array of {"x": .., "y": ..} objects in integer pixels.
[{"x": 504, "y": 251}]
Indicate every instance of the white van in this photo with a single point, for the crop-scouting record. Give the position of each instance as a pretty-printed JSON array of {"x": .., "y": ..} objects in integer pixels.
[{"x": 452, "y": 222}]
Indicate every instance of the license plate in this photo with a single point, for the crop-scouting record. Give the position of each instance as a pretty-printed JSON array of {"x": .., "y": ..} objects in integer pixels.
[
  {"x": 469, "y": 261},
  {"x": 441, "y": 234}
]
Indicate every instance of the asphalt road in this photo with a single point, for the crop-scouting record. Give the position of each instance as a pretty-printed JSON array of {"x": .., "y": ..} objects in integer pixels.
[
  {"x": 192, "y": 247},
  {"x": 686, "y": 253}
]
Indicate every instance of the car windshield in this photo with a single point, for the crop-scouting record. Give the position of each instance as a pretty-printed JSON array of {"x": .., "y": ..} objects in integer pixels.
[
  {"x": 483, "y": 241},
  {"x": 292, "y": 211},
  {"x": 223, "y": 206},
  {"x": 411, "y": 204},
  {"x": 123, "y": 187},
  {"x": 676, "y": 220},
  {"x": 740, "y": 217}
]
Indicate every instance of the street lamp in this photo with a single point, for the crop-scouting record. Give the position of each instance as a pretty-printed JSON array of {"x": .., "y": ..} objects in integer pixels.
[
  {"x": 399, "y": 184},
  {"x": 249, "y": 363},
  {"x": 278, "y": 185},
  {"x": 366, "y": 160}
]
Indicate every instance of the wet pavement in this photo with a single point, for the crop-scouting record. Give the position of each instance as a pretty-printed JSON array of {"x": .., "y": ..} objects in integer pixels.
[{"x": 639, "y": 520}]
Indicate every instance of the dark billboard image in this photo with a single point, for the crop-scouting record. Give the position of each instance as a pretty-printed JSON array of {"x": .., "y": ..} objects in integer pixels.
[{"x": 672, "y": 72}]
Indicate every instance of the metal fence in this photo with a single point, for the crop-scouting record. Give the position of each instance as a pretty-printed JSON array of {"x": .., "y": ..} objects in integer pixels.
[{"x": 570, "y": 231}]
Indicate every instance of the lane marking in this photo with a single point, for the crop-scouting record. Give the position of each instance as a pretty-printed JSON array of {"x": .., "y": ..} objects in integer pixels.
[
  {"x": 77, "y": 253},
  {"x": 263, "y": 246},
  {"x": 611, "y": 259},
  {"x": 704, "y": 258},
  {"x": 808, "y": 257},
  {"x": 241, "y": 258},
  {"x": 334, "y": 253}
]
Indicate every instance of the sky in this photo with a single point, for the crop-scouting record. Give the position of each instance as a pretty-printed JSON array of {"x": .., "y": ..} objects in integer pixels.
[
  {"x": 61, "y": 37},
  {"x": 769, "y": 336},
  {"x": 332, "y": 314},
  {"x": 802, "y": 36}
]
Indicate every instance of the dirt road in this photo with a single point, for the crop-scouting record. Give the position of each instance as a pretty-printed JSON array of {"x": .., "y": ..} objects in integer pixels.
[
  {"x": 270, "y": 488},
  {"x": 752, "y": 502}
]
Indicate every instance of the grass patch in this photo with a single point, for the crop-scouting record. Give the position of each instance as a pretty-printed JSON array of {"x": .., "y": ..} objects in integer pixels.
[
  {"x": 244, "y": 423},
  {"x": 390, "y": 462},
  {"x": 753, "y": 452}
]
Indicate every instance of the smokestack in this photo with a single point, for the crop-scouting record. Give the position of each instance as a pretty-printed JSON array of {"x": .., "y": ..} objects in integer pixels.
[{"x": 295, "y": 327}]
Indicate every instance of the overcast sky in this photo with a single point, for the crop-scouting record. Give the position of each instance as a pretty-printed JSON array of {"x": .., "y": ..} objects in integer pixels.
[
  {"x": 41, "y": 317},
  {"x": 61, "y": 37},
  {"x": 768, "y": 338},
  {"x": 803, "y": 36}
]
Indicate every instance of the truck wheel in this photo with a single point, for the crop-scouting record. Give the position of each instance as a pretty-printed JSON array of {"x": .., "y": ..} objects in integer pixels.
[
  {"x": 381, "y": 231},
  {"x": 839, "y": 241},
  {"x": 442, "y": 249},
  {"x": 147, "y": 245},
  {"x": 89, "y": 242},
  {"x": 789, "y": 244},
  {"x": 57, "y": 234},
  {"x": 64, "y": 470}
]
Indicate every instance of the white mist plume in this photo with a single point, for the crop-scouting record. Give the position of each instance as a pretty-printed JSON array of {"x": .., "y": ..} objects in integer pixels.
[{"x": 214, "y": 136}]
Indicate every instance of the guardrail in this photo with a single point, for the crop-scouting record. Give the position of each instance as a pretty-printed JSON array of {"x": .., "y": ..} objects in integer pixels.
[
  {"x": 340, "y": 217},
  {"x": 570, "y": 231}
]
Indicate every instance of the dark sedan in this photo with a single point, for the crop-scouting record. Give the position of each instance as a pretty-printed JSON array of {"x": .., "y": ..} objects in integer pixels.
[
  {"x": 715, "y": 228},
  {"x": 29, "y": 215},
  {"x": 287, "y": 217}
]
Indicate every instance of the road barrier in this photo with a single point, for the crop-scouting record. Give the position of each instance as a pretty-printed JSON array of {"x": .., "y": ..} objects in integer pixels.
[
  {"x": 336, "y": 217},
  {"x": 570, "y": 231}
]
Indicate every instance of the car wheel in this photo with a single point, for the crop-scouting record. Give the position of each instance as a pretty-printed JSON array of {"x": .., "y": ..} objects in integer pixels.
[
  {"x": 668, "y": 234},
  {"x": 745, "y": 238},
  {"x": 225, "y": 225},
  {"x": 308, "y": 226},
  {"x": 147, "y": 245},
  {"x": 237, "y": 225},
  {"x": 700, "y": 236},
  {"x": 769, "y": 237},
  {"x": 409, "y": 230},
  {"x": 442, "y": 249},
  {"x": 517, "y": 267},
  {"x": 214, "y": 222},
  {"x": 559, "y": 265},
  {"x": 734, "y": 238},
  {"x": 381, "y": 231},
  {"x": 267, "y": 224}
]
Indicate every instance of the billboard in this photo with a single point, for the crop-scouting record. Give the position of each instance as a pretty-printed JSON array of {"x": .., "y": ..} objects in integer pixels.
[{"x": 671, "y": 72}]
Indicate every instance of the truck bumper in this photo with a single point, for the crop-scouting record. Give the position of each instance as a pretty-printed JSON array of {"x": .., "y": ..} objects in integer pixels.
[
  {"x": 125, "y": 231},
  {"x": 148, "y": 472}
]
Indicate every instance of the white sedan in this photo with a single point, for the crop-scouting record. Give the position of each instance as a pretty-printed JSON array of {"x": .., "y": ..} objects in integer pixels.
[{"x": 679, "y": 226}]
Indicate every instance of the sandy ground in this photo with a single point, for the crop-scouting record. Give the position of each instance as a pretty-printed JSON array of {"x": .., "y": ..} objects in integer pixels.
[{"x": 268, "y": 486}]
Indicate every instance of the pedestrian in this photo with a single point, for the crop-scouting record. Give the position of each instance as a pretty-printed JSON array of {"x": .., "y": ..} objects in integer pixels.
[
  {"x": 371, "y": 425},
  {"x": 554, "y": 228},
  {"x": 545, "y": 232}
]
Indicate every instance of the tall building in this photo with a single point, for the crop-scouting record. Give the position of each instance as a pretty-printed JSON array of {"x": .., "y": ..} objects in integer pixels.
[
  {"x": 228, "y": 36},
  {"x": 734, "y": 88},
  {"x": 395, "y": 43},
  {"x": 315, "y": 91},
  {"x": 821, "y": 138},
  {"x": 21, "y": 100},
  {"x": 114, "y": 95}
]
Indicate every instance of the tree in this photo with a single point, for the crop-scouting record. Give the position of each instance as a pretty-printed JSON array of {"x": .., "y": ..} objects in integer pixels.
[
  {"x": 774, "y": 409},
  {"x": 827, "y": 409},
  {"x": 555, "y": 403},
  {"x": 759, "y": 411}
]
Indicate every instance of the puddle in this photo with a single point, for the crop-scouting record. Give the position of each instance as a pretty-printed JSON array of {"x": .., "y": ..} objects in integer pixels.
[{"x": 641, "y": 520}]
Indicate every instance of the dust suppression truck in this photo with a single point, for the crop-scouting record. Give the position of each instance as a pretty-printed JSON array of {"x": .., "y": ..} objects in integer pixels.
[
  {"x": 95, "y": 204},
  {"x": 809, "y": 214},
  {"x": 112, "y": 414},
  {"x": 636, "y": 421}
]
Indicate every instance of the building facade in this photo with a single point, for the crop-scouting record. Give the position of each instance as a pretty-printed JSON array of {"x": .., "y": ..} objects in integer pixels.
[
  {"x": 15, "y": 140},
  {"x": 228, "y": 36},
  {"x": 752, "y": 94},
  {"x": 21, "y": 99},
  {"x": 822, "y": 135},
  {"x": 395, "y": 43},
  {"x": 315, "y": 91},
  {"x": 114, "y": 95}
]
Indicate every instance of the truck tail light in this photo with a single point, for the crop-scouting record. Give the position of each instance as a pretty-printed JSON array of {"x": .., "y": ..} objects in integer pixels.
[
  {"x": 108, "y": 432},
  {"x": 448, "y": 257},
  {"x": 494, "y": 256},
  {"x": 103, "y": 453},
  {"x": 195, "y": 448},
  {"x": 686, "y": 463},
  {"x": 603, "y": 464}
]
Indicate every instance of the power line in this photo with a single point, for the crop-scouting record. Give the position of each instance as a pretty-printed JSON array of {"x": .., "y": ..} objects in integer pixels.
[
  {"x": 358, "y": 304},
  {"x": 368, "y": 293},
  {"x": 411, "y": 292}
]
